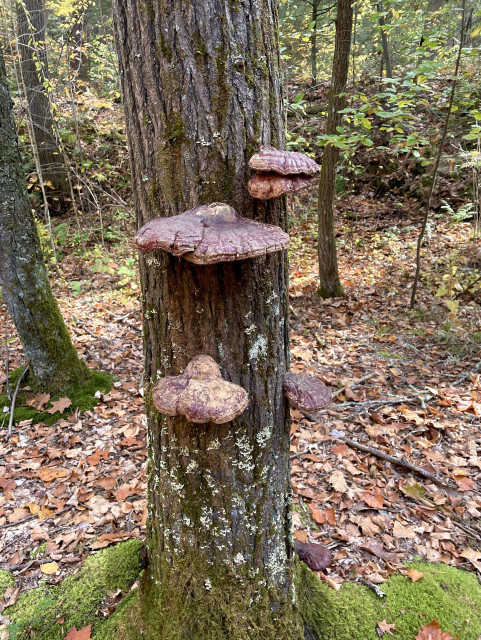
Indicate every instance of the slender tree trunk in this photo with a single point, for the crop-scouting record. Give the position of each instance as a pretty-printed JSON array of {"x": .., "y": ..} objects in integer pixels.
[
  {"x": 53, "y": 360},
  {"x": 385, "y": 41},
  {"x": 79, "y": 60},
  {"x": 330, "y": 285},
  {"x": 315, "y": 16},
  {"x": 31, "y": 38},
  {"x": 202, "y": 91}
]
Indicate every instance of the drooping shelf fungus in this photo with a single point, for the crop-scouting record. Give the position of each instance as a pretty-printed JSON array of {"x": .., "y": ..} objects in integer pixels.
[
  {"x": 315, "y": 555},
  {"x": 306, "y": 393},
  {"x": 200, "y": 394},
  {"x": 281, "y": 172},
  {"x": 211, "y": 233}
]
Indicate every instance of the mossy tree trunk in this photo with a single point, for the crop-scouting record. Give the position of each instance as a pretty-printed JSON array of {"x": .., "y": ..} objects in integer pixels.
[
  {"x": 330, "y": 284},
  {"x": 53, "y": 360},
  {"x": 31, "y": 39},
  {"x": 202, "y": 91}
]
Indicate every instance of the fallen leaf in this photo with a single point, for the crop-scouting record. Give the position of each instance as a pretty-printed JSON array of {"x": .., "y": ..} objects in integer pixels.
[
  {"x": 385, "y": 627},
  {"x": 374, "y": 500},
  {"x": 49, "y": 568},
  {"x": 49, "y": 474},
  {"x": 82, "y": 634},
  {"x": 399, "y": 531},
  {"x": 473, "y": 556},
  {"x": 432, "y": 631},
  {"x": 318, "y": 515},
  {"x": 60, "y": 405},
  {"x": 18, "y": 514},
  {"x": 38, "y": 401},
  {"x": 415, "y": 575},
  {"x": 338, "y": 481},
  {"x": 300, "y": 535},
  {"x": 465, "y": 484},
  {"x": 410, "y": 415}
]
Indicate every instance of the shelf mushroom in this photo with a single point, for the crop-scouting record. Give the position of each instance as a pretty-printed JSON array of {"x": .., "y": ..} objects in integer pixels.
[
  {"x": 315, "y": 555},
  {"x": 200, "y": 394},
  {"x": 211, "y": 233},
  {"x": 281, "y": 172},
  {"x": 306, "y": 393}
]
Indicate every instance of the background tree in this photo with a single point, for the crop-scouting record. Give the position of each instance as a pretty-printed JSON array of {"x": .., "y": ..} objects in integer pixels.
[
  {"x": 330, "y": 284},
  {"x": 52, "y": 358},
  {"x": 202, "y": 91},
  {"x": 34, "y": 74}
]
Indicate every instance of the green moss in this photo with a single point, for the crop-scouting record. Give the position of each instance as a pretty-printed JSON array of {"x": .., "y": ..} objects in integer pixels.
[
  {"x": 449, "y": 595},
  {"x": 184, "y": 604},
  {"x": 78, "y": 598},
  {"x": 6, "y": 581},
  {"x": 82, "y": 397}
]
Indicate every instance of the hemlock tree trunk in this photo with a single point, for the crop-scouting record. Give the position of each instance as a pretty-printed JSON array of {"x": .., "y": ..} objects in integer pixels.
[
  {"x": 202, "y": 91},
  {"x": 53, "y": 360},
  {"x": 330, "y": 285},
  {"x": 31, "y": 38},
  {"x": 385, "y": 41},
  {"x": 315, "y": 15}
]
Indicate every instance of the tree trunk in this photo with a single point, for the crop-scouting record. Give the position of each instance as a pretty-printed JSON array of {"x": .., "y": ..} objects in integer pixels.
[
  {"x": 202, "y": 91},
  {"x": 53, "y": 360},
  {"x": 315, "y": 15},
  {"x": 385, "y": 41},
  {"x": 330, "y": 285},
  {"x": 79, "y": 61},
  {"x": 31, "y": 38}
]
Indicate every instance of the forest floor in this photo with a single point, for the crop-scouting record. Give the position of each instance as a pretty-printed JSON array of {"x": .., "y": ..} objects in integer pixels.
[{"x": 405, "y": 383}]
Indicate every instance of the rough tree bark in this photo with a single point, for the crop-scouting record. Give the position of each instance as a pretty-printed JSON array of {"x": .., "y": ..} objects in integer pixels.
[
  {"x": 330, "y": 284},
  {"x": 31, "y": 39},
  {"x": 52, "y": 358},
  {"x": 314, "y": 18},
  {"x": 202, "y": 91}
]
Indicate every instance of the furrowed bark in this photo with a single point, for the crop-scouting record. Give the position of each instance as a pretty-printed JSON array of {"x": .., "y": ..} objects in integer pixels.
[
  {"x": 202, "y": 92},
  {"x": 54, "y": 363}
]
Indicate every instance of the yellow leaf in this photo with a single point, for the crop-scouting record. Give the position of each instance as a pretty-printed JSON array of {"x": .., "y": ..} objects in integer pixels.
[
  {"x": 415, "y": 575},
  {"x": 49, "y": 569}
]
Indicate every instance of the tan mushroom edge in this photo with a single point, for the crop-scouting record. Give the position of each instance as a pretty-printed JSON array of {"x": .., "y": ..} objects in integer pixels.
[
  {"x": 306, "y": 393},
  {"x": 200, "y": 394}
]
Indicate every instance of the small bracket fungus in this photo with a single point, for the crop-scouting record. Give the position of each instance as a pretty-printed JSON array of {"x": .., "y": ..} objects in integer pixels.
[
  {"x": 268, "y": 185},
  {"x": 316, "y": 556},
  {"x": 284, "y": 162},
  {"x": 200, "y": 394},
  {"x": 211, "y": 233},
  {"x": 306, "y": 392}
]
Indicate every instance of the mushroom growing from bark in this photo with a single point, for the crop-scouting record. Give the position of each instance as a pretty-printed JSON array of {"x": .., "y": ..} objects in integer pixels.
[
  {"x": 306, "y": 393},
  {"x": 315, "y": 555},
  {"x": 200, "y": 394},
  {"x": 268, "y": 185},
  {"x": 281, "y": 172},
  {"x": 211, "y": 233}
]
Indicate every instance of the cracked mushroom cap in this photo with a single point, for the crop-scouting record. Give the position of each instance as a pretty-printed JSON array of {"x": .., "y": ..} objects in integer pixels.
[
  {"x": 211, "y": 233},
  {"x": 268, "y": 185},
  {"x": 315, "y": 555},
  {"x": 283, "y": 162},
  {"x": 200, "y": 394},
  {"x": 306, "y": 393}
]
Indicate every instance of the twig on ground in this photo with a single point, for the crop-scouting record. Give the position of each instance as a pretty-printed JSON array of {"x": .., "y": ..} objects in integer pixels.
[
  {"x": 374, "y": 587},
  {"x": 293, "y": 312},
  {"x": 352, "y": 384},
  {"x": 14, "y": 398}
]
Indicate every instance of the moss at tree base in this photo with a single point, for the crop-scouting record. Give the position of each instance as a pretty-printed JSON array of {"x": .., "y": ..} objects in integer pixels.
[
  {"x": 450, "y": 595},
  {"x": 82, "y": 397}
]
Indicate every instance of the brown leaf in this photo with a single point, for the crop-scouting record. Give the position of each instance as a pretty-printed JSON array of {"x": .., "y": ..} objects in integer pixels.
[
  {"x": 378, "y": 550},
  {"x": 338, "y": 481},
  {"x": 318, "y": 515},
  {"x": 473, "y": 556},
  {"x": 415, "y": 575},
  {"x": 7, "y": 484},
  {"x": 38, "y": 401},
  {"x": 432, "y": 631},
  {"x": 82, "y": 634},
  {"x": 18, "y": 514},
  {"x": 385, "y": 627},
  {"x": 465, "y": 484},
  {"x": 49, "y": 474},
  {"x": 300, "y": 535},
  {"x": 374, "y": 500},
  {"x": 60, "y": 405}
]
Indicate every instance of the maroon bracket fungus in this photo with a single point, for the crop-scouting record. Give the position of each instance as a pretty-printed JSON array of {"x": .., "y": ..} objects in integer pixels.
[
  {"x": 211, "y": 233},
  {"x": 306, "y": 392},
  {"x": 268, "y": 185},
  {"x": 200, "y": 394},
  {"x": 316, "y": 556},
  {"x": 284, "y": 162}
]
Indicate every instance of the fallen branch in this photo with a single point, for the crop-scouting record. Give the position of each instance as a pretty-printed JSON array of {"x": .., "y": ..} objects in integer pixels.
[
  {"x": 14, "y": 398},
  {"x": 352, "y": 384}
]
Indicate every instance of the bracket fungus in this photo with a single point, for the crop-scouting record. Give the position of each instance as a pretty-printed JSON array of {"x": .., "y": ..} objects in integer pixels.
[
  {"x": 211, "y": 233},
  {"x": 269, "y": 185},
  {"x": 200, "y": 394},
  {"x": 306, "y": 393},
  {"x": 315, "y": 555},
  {"x": 281, "y": 172}
]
